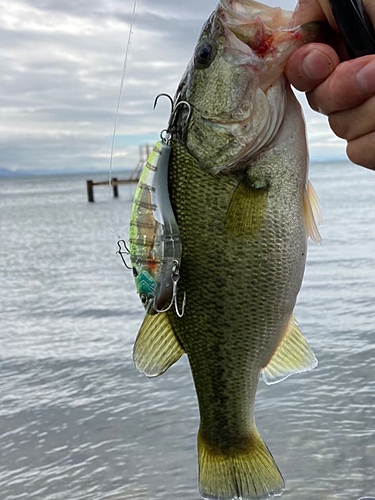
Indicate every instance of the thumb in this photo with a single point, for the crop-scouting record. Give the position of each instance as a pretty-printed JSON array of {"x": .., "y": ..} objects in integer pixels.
[{"x": 310, "y": 65}]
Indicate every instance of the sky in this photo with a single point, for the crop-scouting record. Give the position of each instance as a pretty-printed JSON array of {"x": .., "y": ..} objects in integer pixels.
[{"x": 60, "y": 73}]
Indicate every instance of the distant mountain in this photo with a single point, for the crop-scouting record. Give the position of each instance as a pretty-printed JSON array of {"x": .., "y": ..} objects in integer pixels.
[
  {"x": 9, "y": 174},
  {"x": 5, "y": 173}
]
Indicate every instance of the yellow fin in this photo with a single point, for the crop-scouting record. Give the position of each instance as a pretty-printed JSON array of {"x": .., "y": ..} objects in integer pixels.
[
  {"x": 312, "y": 213},
  {"x": 247, "y": 474},
  {"x": 156, "y": 347},
  {"x": 247, "y": 209},
  {"x": 293, "y": 355}
]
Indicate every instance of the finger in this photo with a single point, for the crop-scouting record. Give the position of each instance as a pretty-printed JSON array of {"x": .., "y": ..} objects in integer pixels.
[
  {"x": 362, "y": 151},
  {"x": 355, "y": 122},
  {"x": 313, "y": 10},
  {"x": 349, "y": 85},
  {"x": 307, "y": 11},
  {"x": 370, "y": 9},
  {"x": 310, "y": 65}
]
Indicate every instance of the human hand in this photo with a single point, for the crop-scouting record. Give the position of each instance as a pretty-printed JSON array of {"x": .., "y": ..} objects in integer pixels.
[{"x": 345, "y": 91}]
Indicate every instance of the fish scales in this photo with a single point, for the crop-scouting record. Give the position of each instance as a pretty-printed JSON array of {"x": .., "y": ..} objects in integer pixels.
[{"x": 239, "y": 291}]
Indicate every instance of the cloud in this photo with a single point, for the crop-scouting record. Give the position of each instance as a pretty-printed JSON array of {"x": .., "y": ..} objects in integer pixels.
[{"x": 61, "y": 69}]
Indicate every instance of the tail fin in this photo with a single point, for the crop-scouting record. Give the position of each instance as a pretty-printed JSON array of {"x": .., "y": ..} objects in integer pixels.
[{"x": 246, "y": 475}]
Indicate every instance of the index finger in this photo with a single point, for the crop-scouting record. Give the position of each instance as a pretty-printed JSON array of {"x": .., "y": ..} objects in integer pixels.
[
  {"x": 370, "y": 9},
  {"x": 313, "y": 10}
]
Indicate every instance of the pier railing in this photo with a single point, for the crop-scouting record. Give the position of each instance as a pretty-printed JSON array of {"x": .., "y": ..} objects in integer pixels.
[
  {"x": 144, "y": 153},
  {"x": 115, "y": 183}
]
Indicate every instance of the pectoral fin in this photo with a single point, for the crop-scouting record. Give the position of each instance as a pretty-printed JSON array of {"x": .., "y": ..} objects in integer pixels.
[
  {"x": 293, "y": 355},
  {"x": 247, "y": 210},
  {"x": 312, "y": 213},
  {"x": 156, "y": 347}
]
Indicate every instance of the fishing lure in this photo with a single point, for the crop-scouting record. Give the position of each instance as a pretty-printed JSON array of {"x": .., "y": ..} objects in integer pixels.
[{"x": 154, "y": 244}]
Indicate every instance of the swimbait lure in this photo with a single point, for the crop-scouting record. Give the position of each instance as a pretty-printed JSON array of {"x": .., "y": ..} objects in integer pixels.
[{"x": 155, "y": 244}]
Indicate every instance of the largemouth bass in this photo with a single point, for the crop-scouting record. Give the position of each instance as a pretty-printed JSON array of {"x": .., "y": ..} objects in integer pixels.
[{"x": 238, "y": 187}]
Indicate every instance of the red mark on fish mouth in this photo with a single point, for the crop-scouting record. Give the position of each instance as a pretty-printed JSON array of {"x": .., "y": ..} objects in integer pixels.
[
  {"x": 297, "y": 35},
  {"x": 261, "y": 44}
]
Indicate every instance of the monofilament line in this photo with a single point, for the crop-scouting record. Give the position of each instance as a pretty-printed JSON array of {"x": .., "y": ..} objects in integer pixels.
[{"x": 131, "y": 31}]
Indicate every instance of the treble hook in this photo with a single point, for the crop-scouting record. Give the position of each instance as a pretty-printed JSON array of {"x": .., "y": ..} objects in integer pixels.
[
  {"x": 163, "y": 95},
  {"x": 175, "y": 278},
  {"x": 174, "y": 111},
  {"x": 165, "y": 134},
  {"x": 121, "y": 252}
]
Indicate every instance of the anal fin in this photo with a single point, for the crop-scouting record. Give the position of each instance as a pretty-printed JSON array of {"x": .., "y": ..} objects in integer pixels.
[
  {"x": 156, "y": 347},
  {"x": 293, "y": 355}
]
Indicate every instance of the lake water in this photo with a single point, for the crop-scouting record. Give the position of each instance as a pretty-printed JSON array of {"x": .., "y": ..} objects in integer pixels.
[{"x": 78, "y": 421}]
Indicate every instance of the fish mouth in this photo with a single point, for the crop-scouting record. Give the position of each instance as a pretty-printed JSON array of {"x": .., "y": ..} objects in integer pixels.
[
  {"x": 256, "y": 37},
  {"x": 256, "y": 43},
  {"x": 241, "y": 10},
  {"x": 253, "y": 22}
]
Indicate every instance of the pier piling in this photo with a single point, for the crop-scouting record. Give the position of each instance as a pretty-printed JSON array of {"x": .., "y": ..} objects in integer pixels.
[
  {"x": 90, "y": 191},
  {"x": 134, "y": 176},
  {"x": 115, "y": 187}
]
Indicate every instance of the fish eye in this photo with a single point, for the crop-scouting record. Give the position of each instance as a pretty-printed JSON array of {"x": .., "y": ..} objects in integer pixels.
[{"x": 204, "y": 54}]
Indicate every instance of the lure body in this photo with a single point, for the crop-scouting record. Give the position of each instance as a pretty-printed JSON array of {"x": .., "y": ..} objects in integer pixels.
[{"x": 155, "y": 246}]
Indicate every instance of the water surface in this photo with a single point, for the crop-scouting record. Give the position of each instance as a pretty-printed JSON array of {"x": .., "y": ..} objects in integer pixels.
[{"x": 78, "y": 421}]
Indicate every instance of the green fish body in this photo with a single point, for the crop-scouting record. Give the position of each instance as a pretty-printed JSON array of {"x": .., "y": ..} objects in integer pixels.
[{"x": 244, "y": 208}]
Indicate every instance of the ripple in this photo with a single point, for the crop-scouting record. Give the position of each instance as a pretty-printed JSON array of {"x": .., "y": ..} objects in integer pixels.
[{"x": 79, "y": 423}]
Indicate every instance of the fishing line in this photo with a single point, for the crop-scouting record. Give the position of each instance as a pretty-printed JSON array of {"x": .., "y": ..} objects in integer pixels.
[{"x": 125, "y": 65}]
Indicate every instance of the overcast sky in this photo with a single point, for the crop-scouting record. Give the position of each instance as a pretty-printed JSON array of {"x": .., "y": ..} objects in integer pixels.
[{"x": 61, "y": 67}]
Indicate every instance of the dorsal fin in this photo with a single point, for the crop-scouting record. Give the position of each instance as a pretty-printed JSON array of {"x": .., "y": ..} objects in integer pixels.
[
  {"x": 312, "y": 213},
  {"x": 156, "y": 347},
  {"x": 293, "y": 355}
]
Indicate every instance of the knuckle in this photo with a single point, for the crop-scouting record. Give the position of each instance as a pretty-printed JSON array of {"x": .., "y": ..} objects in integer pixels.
[
  {"x": 339, "y": 125},
  {"x": 362, "y": 151},
  {"x": 311, "y": 99}
]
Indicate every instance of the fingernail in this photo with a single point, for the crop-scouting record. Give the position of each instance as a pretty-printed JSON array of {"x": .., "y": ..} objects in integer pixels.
[
  {"x": 316, "y": 65},
  {"x": 366, "y": 78}
]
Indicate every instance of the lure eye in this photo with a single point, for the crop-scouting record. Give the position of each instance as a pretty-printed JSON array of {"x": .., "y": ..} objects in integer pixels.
[
  {"x": 135, "y": 272},
  {"x": 204, "y": 54},
  {"x": 144, "y": 298}
]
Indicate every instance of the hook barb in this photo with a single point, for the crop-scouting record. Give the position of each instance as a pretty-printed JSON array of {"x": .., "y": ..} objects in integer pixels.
[{"x": 163, "y": 95}]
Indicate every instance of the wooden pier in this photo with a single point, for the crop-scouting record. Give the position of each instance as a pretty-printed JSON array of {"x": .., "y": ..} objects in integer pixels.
[{"x": 144, "y": 153}]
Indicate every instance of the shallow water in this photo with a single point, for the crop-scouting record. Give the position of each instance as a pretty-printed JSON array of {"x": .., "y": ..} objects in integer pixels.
[{"x": 77, "y": 420}]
